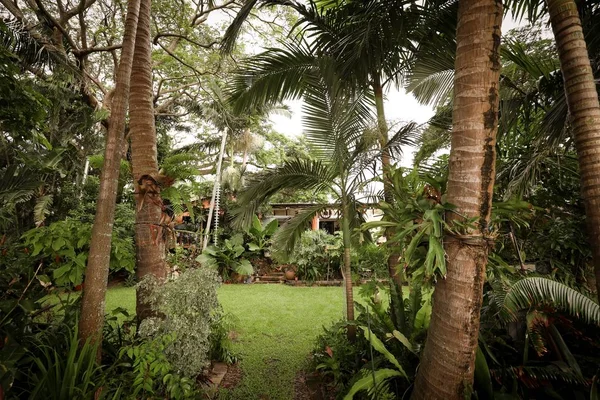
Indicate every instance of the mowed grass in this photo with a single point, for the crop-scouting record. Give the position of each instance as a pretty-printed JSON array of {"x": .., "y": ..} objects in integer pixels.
[{"x": 276, "y": 328}]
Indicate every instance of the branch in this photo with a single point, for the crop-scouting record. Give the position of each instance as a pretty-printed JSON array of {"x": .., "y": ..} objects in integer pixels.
[
  {"x": 175, "y": 35},
  {"x": 85, "y": 52},
  {"x": 81, "y": 7},
  {"x": 198, "y": 73},
  {"x": 202, "y": 13},
  {"x": 57, "y": 24}
]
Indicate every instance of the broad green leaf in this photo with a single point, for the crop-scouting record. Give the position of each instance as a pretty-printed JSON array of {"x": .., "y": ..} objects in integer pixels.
[
  {"x": 368, "y": 381},
  {"x": 380, "y": 347},
  {"x": 271, "y": 227},
  {"x": 483, "y": 378},
  {"x": 423, "y": 316},
  {"x": 58, "y": 244},
  {"x": 253, "y": 247},
  {"x": 256, "y": 224},
  {"x": 404, "y": 340},
  {"x": 243, "y": 267}
]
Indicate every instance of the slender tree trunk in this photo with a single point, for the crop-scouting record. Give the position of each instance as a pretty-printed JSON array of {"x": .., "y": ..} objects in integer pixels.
[
  {"x": 348, "y": 267},
  {"x": 394, "y": 257},
  {"x": 582, "y": 98},
  {"x": 447, "y": 363},
  {"x": 96, "y": 277},
  {"x": 150, "y": 226}
]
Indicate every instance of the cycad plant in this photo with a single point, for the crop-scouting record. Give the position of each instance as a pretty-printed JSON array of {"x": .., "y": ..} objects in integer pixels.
[{"x": 336, "y": 125}]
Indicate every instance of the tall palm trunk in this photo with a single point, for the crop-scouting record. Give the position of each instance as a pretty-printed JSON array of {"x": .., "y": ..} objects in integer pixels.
[
  {"x": 96, "y": 276},
  {"x": 447, "y": 363},
  {"x": 394, "y": 257},
  {"x": 582, "y": 98},
  {"x": 347, "y": 267},
  {"x": 149, "y": 227}
]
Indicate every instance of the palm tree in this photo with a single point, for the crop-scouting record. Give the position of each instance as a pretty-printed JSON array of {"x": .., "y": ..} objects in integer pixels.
[
  {"x": 150, "y": 226},
  {"x": 370, "y": 41},
  {"x": 584, "y": 109},
  {"x": 447, "y": 366},
  {"x": 335, "y": 124},
  {"x": 96, "y": 277}
]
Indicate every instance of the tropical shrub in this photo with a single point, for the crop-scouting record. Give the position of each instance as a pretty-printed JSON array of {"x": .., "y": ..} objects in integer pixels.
[
  {"x": 64, "y": 369},
  {"x": 63, "y": 246},
  {"x": 317, "y": 255},
  {"x": 189, "y": 308},
  {"x": 227, "y": 258},
  {"x": 370, "y": 261},
  {"x": 336, "y": 358},
  {"x": 221, "y": 344},
  {"x": 260, "y": 236}
]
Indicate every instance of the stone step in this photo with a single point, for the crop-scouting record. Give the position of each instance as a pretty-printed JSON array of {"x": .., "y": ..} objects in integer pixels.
[
  {"x": 275, "y": 274},
  {"x": 271, "y": 279}
]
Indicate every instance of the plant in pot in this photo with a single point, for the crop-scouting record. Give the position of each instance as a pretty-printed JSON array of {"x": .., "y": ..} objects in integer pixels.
[{"x": 227, "y": 259}]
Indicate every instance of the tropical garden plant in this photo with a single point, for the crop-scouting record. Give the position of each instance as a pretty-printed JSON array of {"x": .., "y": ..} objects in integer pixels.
[{"x": 228, "y": 258}]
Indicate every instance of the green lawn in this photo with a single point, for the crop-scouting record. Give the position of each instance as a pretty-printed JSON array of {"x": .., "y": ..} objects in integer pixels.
[{"x": 277, "y": 327}]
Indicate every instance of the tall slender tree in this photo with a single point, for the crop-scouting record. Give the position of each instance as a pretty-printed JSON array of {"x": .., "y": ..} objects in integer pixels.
[
  {"x": 371, "y": 41},
  {"x": 447, "y": 366},
  {"x": 150, "y": 224},
  {"x": 584, "y": 109},
  {"x": 335, "y": 123},
  {"x": 96, "y": 277}
]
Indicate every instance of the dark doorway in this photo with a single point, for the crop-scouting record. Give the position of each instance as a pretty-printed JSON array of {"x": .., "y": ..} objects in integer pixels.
[{"x": 327, "y": 226}]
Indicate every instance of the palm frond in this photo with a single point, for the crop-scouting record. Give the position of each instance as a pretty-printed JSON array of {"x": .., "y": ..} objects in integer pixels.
[
  {"x": 16, "y": 185},
  {"x": 273, "y": 76},
  {"x": 294, "y": 174},
  {"x": 533, "y": 10},
  {"x": 534, "y": 376},
  {"x": 334, "y": 120},
  {"x": 431, "y": 75},
  {"x": 529, "y": 293},
  {"x": 289, "y": 233},
  {"x": 42, "y": 209},
  {"x": 233, "y": 31},
  {"x": 32, "y": 48},
  {"x": 405, "y": 136}
]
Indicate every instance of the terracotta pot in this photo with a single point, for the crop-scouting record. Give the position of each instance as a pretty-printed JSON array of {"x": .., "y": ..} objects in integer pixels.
[{"x": 290, "y": 274}]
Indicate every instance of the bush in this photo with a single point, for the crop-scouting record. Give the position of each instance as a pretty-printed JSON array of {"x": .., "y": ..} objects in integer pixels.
[
  {"x": 221, "y": 344},
  {"x": 190, "y": 308},
  {"x": 337, "y": 359},
  {"x": 316, "y": 254},
  {"x": 370, "y": 261}
]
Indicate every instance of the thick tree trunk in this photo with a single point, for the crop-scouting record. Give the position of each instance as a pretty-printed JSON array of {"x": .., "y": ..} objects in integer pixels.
[
  {"x": 447, "y": 363},
  {"x": 150, "y": 227},
  {"x": 348, "y": 268},
  {"x": 394, "y": 257},
  {"x": 96, "y": 276},
  {"x": 582, "y": 98}
]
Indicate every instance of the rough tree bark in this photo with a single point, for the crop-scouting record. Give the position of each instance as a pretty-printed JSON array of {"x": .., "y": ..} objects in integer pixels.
[
  {"x": 96, "y": 276},
  {"x": 584, "y": 109},
  {"x": 149, "y": 222},
  {"x": 447, "y": 363}
]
